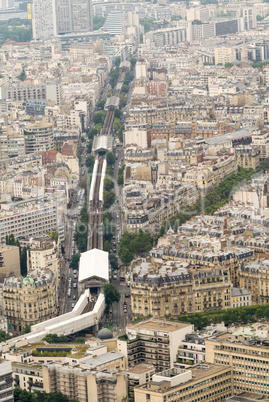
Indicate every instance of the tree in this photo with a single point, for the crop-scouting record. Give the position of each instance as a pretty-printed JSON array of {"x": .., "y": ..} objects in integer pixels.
[
  {"x": 117, "y": 114},
  {"x": 101, "y": 104},
  {"x": 116, "y": 124},
  {"x": 111, "y": 294},
  {"x": 125, "y": 89},
  {"x": 74, "y": 261},
  {"x": 110, "y": 158},
  {"x": 113, "y": 261},
  {"x": 98, "y": 22},
  {"x": 109, "y": 199},
  {"x": 54, "y": 235},
  {"x": 22, "y": 76},
  {"x": 133, "y": 61},
  {"x": 21, "y": 395},
  {"x": 120, "y": 178},
  {"x": 27, "y": 329},
  {"x": 117, "y": 61},
  {"x": 107, "y": 246},
  {"x": 99, "y": 117},
  {"x": 92, "y": 133},
  {"x": 23, "y": 260},
  {"x": 90, "y": 160},
  {"x": 108, "y": 184},
  {"x": 123, "y": 101},
  {"x": 129, "y": 76}
]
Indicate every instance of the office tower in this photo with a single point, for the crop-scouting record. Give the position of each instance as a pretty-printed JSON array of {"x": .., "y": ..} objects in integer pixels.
[
  {"x": 5, "y": 4},
  {"x": 44, "y": 19},
  {"x": 82, "y": 15},
  {"x": 63, "y": 16}
]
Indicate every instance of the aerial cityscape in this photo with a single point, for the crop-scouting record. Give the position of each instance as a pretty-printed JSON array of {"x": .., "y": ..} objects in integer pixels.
[{"x": 134, "y": 200}]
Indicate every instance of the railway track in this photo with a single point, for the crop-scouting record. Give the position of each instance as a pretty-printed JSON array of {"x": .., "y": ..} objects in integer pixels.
[{"x": 96, "y": 241}]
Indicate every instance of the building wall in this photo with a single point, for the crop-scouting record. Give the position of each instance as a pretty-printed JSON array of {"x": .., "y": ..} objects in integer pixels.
[{"x": 29, "y": 304}]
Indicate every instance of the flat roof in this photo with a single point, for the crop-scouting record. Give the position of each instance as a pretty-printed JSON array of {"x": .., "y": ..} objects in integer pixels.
[
  {"x": 93, "y": 263},
  {"x": 159, "y": 325},
  {"x": 106, "y": 358},
  {"x": 140, "y": 368}
]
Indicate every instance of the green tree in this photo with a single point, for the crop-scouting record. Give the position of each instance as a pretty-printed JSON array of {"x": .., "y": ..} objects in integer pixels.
[
  {"x": 90, "y": 160},
  {"x": 133, "y": 61},
  {"x": 111, "y": 294},
  {"x": 101, "y": 104},
  {"x": 116, "y": 124},
  {"x": 108, "y": 184},
  {"x": 117, "y": 61},
  {"x": 113, "y": 261},
  {"x": 27, "y": 329},
  {"x": 125, "y": 89},
  {"x": 107, "y": 246},
  {"x": 54, "y": 235},
  {"x": 22, "y": 75},
  {"x": 74, "y": 261},
  {"x": 99, "y": 117},
  {"x": 110, "y": 159},
  {"x": 117, "y": 114},
  {"x": 109, "y": 199},
  {"x": 98, "y": 22},
  {"x": 123, "y": 101},
  {"x": 92, "y": 133}
]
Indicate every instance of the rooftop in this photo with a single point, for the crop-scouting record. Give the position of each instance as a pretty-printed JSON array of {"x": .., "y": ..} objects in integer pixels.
[{"x": 158, "y": 325}]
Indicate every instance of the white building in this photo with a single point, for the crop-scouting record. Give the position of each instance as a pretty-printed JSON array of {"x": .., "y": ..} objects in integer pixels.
[
  {"x": 240, "y": 297},
  {"x": 28, "y": 219},
  {"x": 44, "y": 19},
  {"x": 261, "y": 141}
]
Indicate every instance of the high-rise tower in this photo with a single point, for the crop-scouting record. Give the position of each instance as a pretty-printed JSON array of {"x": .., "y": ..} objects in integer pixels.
[
  {"x": 63, "y": 16},
  {"x": 44, "y": 19},
  {"x": 82, "y": 15}
]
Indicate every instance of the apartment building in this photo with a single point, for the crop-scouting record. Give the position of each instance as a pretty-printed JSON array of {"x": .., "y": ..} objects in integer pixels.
[
  {"x": 44, "y": 254},
  {"x": 240, "y": 297},
  {"x": 247, "y": 157},
  {"x": 6, "y": 382},
  {"x": 245, "y": 351},
  {"x": 176, "y": 287},
  {"x": 9, "y": 261},
  {"x": 224, "y": 55},
  {"x": 205, "y": 382},
  {"x": 29, "y": 300},
  {"x": 38, "y": 137},
  {"x": 20, "y": 92},
  {"x": 28, "y": 218},
  {"x": 27, "y": 376},
  {"x": 82, "y": 384},
  {"x": 138, "y": 375},
  {"x": 254, "y": 277},
  {"x": 260, "y": 140},
  {"x": 153, "y": 342}
]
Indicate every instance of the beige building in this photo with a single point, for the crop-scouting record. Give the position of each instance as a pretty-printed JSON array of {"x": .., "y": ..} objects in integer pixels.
[
  {"x": 176, "y": 287},
  {"x": 9, "y": 261},
  {"x": 245, "y": 351},
  {"x": 224, "y": 55},
  {"x": 138, "y": 375},
  {"x": 44, "y": 254},
  {"x": 84, "y": 385},
  {"x": 27, "y": 376},
  {"x": 247, "y": 157},
  {"x": 254, "y": 277},
  {"x": 29, "y": 300},
  {"x": 154, "y": 342},
  {"x": 205, "y": 382}
]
